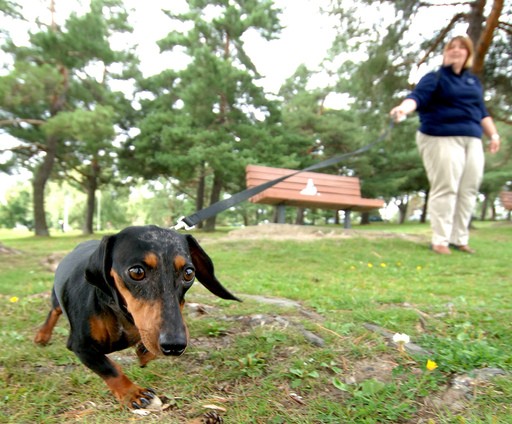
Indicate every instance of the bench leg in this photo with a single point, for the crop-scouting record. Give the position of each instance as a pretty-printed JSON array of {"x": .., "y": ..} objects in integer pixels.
[
  {"x": 346, "y": 219},
  {"x": 281, "y": 214}
]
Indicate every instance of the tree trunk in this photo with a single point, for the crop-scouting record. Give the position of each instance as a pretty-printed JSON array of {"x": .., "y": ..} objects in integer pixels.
[
  {"x": 214, "y": 198},
  {"x": 41, "y": 177},
  {"x": 89, "y": 210},
  {"x": 43, "y": 172},
  {"x": 200, "y": 192},
  {"x": 275, "y": 215},
  {"x": 92, "y": 186},
  {"x": 482, "y": 35},
  {"x": 485, "y": 205},
  {"x": 38, "y": 186},
  {"x": 476, "y": 20},
  {"x": 365, "y": 218},
  {"x": 424, "y": 210},
  {"x": 402, "y": 212},
  {"x": 402, "y": 204},
  {"x": 299, "y": 217},
  {"x": 493, "y": 210}
]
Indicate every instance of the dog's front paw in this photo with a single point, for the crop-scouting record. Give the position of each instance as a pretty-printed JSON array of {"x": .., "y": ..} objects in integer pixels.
[
  {"x": 135, "y": 397},
  {"x": 143, "y": 398},
  {"x": 155, "y": 404}
]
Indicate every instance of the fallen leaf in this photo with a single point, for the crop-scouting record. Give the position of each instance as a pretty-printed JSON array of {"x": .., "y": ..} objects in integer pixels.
[
  {"x": 297, "y": 398},
  {"x": 215, "y": 407},
  {"x": 141, "y": 412}
]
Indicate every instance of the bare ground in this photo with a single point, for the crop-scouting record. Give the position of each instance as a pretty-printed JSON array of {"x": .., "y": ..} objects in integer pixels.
[{"x": 308, "y": 232}]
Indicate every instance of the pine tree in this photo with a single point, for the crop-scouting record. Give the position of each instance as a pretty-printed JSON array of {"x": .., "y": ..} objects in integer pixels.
[
  {"x": 209, "y": 119},
  {"x": 60, "y": 110}
]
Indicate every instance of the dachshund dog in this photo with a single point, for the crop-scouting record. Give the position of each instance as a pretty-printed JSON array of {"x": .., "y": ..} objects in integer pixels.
[{"x": 128, "y": 290}]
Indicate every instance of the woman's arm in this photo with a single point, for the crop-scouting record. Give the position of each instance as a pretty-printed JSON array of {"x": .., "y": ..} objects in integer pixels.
[{"x": 491, "y": 132}]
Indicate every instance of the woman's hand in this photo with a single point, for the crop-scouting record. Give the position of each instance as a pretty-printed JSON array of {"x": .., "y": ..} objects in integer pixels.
[{"x": 400, "y": 112}]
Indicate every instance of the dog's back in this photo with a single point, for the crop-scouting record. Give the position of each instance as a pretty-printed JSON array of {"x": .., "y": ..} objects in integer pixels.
[{"x": 70, "y": 274}]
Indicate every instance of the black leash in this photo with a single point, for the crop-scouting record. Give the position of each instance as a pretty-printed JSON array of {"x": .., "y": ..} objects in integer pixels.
[{"x": 188, "y": 222}]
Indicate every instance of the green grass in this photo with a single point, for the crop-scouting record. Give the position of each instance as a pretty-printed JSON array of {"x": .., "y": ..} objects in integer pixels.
[{"x": 253, "y": 360}]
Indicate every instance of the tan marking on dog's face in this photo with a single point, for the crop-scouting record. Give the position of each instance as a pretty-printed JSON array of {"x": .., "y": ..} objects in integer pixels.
[
  {"x": 151, "y": 260},
  {"x": 179, "y": 262},
  {"x": 146, "y": 314}
]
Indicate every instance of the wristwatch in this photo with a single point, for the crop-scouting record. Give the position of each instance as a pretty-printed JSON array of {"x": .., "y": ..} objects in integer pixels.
[{"x": 495, "y": 137}]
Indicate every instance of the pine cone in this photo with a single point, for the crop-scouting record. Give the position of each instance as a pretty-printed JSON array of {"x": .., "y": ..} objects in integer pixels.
[{"x": 211, "y": 417}]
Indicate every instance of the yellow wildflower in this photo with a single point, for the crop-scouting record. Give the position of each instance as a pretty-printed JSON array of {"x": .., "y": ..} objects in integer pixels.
[
  {"x": 14, "y": 299},
  {"x": 431, "y": 365}
]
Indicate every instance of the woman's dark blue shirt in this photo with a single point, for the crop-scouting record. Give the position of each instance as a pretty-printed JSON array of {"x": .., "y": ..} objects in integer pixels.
[{"x": 450, "y": 104}]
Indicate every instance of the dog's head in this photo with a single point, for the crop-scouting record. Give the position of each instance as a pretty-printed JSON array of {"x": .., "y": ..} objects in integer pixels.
[{"x": 148, "y": 270}]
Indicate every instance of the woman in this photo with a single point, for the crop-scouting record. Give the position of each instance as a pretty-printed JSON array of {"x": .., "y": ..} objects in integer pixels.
[{"x": 453, "y": 118}]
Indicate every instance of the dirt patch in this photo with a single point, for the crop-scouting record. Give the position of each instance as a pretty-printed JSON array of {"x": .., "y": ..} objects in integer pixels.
[
  {"x": 4, "y": 250},
  {"x": 51, "y": 262},
  {"x": 309, "y": 232}
]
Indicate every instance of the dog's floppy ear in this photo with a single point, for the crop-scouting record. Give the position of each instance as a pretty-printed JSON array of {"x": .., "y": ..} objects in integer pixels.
[
  {"x": 204, "y": 270},
  {"x": 98, "y": 268}
]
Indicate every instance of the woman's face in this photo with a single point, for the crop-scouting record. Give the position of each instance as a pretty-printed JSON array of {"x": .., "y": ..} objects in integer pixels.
[{"x": 455, "y": 55}]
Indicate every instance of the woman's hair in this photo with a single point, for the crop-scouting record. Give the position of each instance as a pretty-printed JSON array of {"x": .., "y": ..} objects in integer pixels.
[{"x": 468, "y": 45}]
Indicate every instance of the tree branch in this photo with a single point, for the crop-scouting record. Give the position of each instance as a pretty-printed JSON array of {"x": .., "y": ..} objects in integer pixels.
[
  {"x": 5, "y": 122},
  {"x": 462, "y": 3},
  {"x": 505, "y": 26},
  {"x": 486, "y": 38},
  {"x": 26, "y": 151}
]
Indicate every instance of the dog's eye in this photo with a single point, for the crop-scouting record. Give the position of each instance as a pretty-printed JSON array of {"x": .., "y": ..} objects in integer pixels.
[
  {"x": 189, "y": 274},
  {"x": 137, "y": 273}
]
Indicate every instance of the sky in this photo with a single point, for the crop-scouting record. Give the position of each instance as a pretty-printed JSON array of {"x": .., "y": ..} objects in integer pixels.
[{"x": 306, "y": 37}]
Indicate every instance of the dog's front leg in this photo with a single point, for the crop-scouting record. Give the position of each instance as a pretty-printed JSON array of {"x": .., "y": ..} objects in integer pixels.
[{"x": 125, "y": 391}]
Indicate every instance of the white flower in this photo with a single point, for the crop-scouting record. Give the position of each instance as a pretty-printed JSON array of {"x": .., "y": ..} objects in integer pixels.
[{"x": 401, "y": 338}]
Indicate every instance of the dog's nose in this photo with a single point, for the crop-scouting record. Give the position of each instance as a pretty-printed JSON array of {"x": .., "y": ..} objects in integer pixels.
[{"x": 174, "y": 346}]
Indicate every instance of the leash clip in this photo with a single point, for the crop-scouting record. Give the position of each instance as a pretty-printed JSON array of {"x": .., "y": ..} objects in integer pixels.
[{"x": 182, "y": 225}]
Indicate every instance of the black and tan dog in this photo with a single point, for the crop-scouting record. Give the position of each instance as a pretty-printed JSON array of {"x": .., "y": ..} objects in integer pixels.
[{"x": 129, "y": 289}]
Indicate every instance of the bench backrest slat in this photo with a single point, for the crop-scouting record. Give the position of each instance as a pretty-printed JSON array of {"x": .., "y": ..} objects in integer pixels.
[{"x": 332, "y": 191}]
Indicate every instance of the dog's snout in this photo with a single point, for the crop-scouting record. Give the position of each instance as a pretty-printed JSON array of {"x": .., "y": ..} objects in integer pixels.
[{"x": 174, "y": 346}]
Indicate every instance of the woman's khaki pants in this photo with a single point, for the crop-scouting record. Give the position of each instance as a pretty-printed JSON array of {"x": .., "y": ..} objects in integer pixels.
[{"x": 454, "y": 166}]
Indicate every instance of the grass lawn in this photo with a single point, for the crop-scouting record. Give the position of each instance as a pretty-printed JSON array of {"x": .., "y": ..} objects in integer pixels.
[{"x": 299, "y": 348}]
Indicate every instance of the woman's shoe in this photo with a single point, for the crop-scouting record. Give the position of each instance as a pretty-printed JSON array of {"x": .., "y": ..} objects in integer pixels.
[
  {"x": 463, "y": 248},
  {"x": 440, "y": 249}
]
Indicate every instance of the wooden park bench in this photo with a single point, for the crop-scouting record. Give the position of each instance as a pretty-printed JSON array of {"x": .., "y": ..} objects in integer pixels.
[
  {"x": 309, "y": 190},
  {"x": 506, "y": 199}
]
